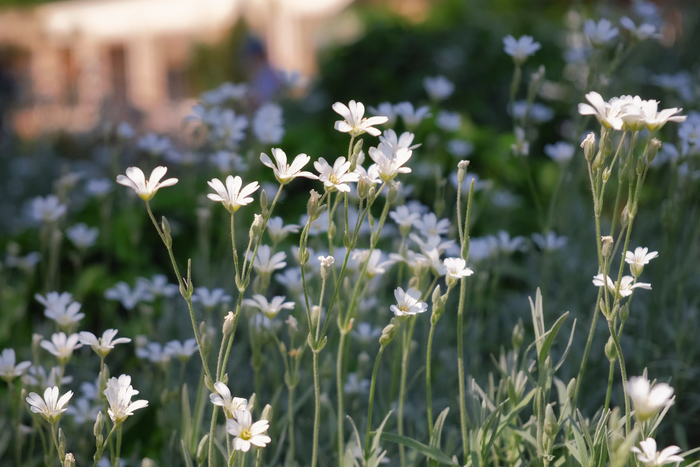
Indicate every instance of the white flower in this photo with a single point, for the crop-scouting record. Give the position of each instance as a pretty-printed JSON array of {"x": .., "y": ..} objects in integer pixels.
[
  {"x": 9, "y": 369},
  {"x": 83, "y": 411},
  {"x": 537, "y": 112},
  {"x": 408, "y": 302},
  {"x": 601, "y": 32},
  {"x": 521, "y": 48},
  {"x": 326, "y": 261},
  {"x": 278, "y": 231},
  {"x": 98, "y": 187},
  {"x": 60, "y": 308},
  {"x": 390, "y": 139},
  {"x": 125, "y": 130},
  {"x": 521, "y": 147},
  {"x": 354, "y": 122},
  {"x": 268, "y": 124},
  {"x": 62, "y": 346},
  {"x": 47, "y": 209},
  {"x": 374, "y": 264},
  {"x": 153, "y": 352},
  {"x": 119, "y": 393},
  {"x": 159, "y": 286},
  {"x": 335, "y": 177},
  {"x": 82, "y": 236},
  {"x": 37, "y": 376},
  {"x": 654, "y": 119},
  {"x": 210, "y": 298},
  {"x": 456, "y": 268},
  {"x": 404, "y": 217},
  {"x": 146, "y": 189},
  {"x": 507, "y": 244},
  {"x": 608, "y": 114},
  {"x": 644, "y": 31},
  {"x": 448, "y": 121},
  {"x": 649, "y": 456},
  {"x": 269, "y": 309},
  {"x": 266, "y": 263},
  {"x": 388, "y": 163},
  {"x": 385, "y": 109},
  {"x": 222, "y": 398},
  {"x": 429, "y": 225},
  {"x": 154, "y": 144},
  {"x": 50, "y": 407},
  {"x": 102, "y": 345},
  {"x": 627, "y": 284},
  {"x": 648, "y": 401},
  {"x": 432, "y": 242},
  {"x": 365, "y": 332},
  {"x": 354, "y": 385},
  {"x": 225, "y": 92},
  {"x": 411, "y": 117},
  {"x": 233, "y": 195},
  {"x": 290, "y": 278},
  {"x": 285, "y": 173},
  {"x": 459, "y": 148},
  {"x": 129, "y": 298},
  {"x": 638, "y": 259},
  {"x": 228, "y": 161},
  {"x": 227, "y": 127},
  {"x": 246, "y": 432},
  {"x": 550, "y": 241},
  {"x": 560, "y": 152},
  {"x": 182, "y": 350},
  {"x": 438, "y": 88}
]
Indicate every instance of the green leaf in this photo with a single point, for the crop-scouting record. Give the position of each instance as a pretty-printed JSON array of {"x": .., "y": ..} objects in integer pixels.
[
  {"x": 186, "y": 414},
  {"x": 551, "y": 335},
  {"x": 427, "y": 451},
  {"x": 185, "y": 453},
  {"x": 581, "y": 452}
]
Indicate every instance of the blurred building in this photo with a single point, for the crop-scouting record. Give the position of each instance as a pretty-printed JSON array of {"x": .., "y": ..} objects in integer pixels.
[{"x": 67, "y": 63}]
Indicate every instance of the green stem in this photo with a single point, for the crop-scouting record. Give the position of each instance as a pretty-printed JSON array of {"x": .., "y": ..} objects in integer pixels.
[
  {"x": 623, "y": 371},
  {"x": 317, "y": 408},
  {"x": 55, "y": 441},
  {"x": 407, "y": 336},
  {"x": 428, "y": 379},
  {"x": 340, "y": 388},
  {"x": 611, "y": 375},
  {"x": 98, "y": 454},
  {"x": 371, "y": 400},
  {"x": 290, "y": 416}
]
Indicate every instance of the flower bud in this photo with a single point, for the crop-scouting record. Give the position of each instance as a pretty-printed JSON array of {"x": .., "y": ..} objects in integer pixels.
[
  {"x": 303, "y": 256},
  {"x": 393, "y": 191},
  {"x": 551, "y": 426},
  {"x": 204, "y": 338},
  {"x": 256, "y": 226},
  {"x": 326, "y": 265},
  {"x": 610, "y": 350},
  {"x": 607, "y": 245},
  {"x": 202, "y": 449},
  {"x": 167, "y": 237},
  {"x": 263, "y": 200},
  {"x": 229, "y": 322},
  {"x": 61, "y": 444},
  {"x": 314, "y": 207},
  {"x": 147, "y": 462},
  {"x": 462, "y": 170},
  {"x": 518, "y": 334},
  {"x": 588, "y": 146},
  {"x": 653, "y": 149},
  {"x": 606, "y": 173},
  {"x": 625, "y": 216},
  {"x": 356, "y": 151},
  {"x": 69, "y": 461},
  {"x": 99, "y": 425},
  {"x": 625, "y": 312},
  {"x": 388, "y": 334},
  {"x": 571, "y": 388},
  {"x": 266, "y": 413}
]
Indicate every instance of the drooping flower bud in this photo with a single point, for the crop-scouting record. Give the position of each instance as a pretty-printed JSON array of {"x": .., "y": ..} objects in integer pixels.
[
  {"x": 588, "y": 146},
  {"x": 607, "y": 245}
]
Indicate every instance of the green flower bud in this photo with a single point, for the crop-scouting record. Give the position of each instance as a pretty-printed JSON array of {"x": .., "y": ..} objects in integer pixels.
[
  {"x": 610, "y": 350},
  {"x": 388, "y": 334},
  {"x": 462, "y": 170},
  {"x": 571, "y": 388},
  {"x": 167, "y": 237},
  {"x": 551, "y": 426},
  {"x": 607, "y": 247},
  {"x": 229, "y": 321},
  {"x": 588, "y": 146},
  {"x": 202, "y": 449},
  {"x": 653, "y": 149},
  {"x": 518, "y": 334}
]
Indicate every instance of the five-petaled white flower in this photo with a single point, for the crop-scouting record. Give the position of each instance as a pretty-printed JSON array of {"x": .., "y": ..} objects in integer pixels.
[
  {"x": 265, "y": 262},
  {"x": 652, "y": 458},
  {"x": 389, "y": 163},
  {"x": 335, "y": 177},
  {"x": 278, "y": 231},
  {"x": 181, "y": 350},
  {"x": 438, "y": 88},
  {"x": 627, "y": 284},
  {"x": 608, "y": 114},
  {"x": 246, "y": 432},
  {"x": 146, "y": 189},
  {"x": 648, "y": 400},
  {"x": 61, "y": 308},
  {"x": 129, "y": 298},
  {"x": 521, "y": 48},
  {"x": 102, "y": 345},
  {"x": 233, "y": 195},
  {"x": 222, "y": 398},
  {"x": 210, "y": 298},
  {"x": 456, "y": 268},
  {"x": 655, "y": 119},
  {"x": 601, "y": 32},
  {"x": 51, "y": 407},
  {"x": 354, "y": 122},
  {"x": 271, "y": 308},
  {"x": 62, "y": 346},
  {"x": 412, "y": 117},
  {"x": 638, "y": 259},
  {"x": 408, "y": 303},
  {"x": 285, "y": 173},
  {"x": 9, "y": 368},
  {"x": 119, "y": 393}
]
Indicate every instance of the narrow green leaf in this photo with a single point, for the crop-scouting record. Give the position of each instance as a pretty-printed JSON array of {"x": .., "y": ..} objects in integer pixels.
[
  {"x": 420, "y": 447},
  {"x": 186, "y": 454},
  {"x": 551, "y": 335}
]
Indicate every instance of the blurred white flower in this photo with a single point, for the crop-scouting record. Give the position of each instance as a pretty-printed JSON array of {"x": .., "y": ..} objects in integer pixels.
[
  {"x": 448, "y": 121},
  {"x": 9, "y": 368},
  {"x": 37, "y": 376},
  {"x": 290, "y": 278},
  {"x": 98, "y": 187},
  {"x": 154, "y": 144},
  {"x": 82, "y": 236},
  {"x": 181, "y": 350},
  {"x": 375, "y": 265},
  {"x": 681, "y": 83},
  {"x": 644, "y": 31},
  {"x": 210, "y": 298},
  {"x": 125, "y": 130},
  {"x": 222, "y": 398},
  {"x": 404, "y": 218},
  {"x": 61, "y": 308},
  {"x": 521, "y": 48},
  {"x": 336, "y": 177},
  {"x": 83, "y": 411},
  {"x": 268, "y": 124},
  {"x": 228, "y": 127},
  {"x": 233, "y": 195},
  {"x": 353, "y": 385},
  {"x": 228, "y": 161},
  {"x": 639, "y": 258},
  {"x": 153, "y": 352},
  {"x": 129, "y": 298},
  {"x": 269, "y": 309},
  {"x": 521, "y": 147},
  {"x": 353, "y": 122},
  {"x": 145, "y": 189},
  {"x": 601, "y": 32},
  {"x": 62, "y": 346},
  {"x": 408, "y": 302},
  {"x": 438, "y": 88},
  {"x": 550, "y": 241},
  {"x": 507, "y": 244},
  {"x": 390, "y": 139},
  {"x": 119, "y": 393},
  {"x": 102, "y": 345},
  {"x": 389, "y": 164},
  {"x": 411, "y": 117},
  {"x": 246, "y": 432},
  {"x": 459, "y": 148},
  {"x": 560, "y": 152},
  {"x": 158, "y": 286},
  {"x": 265, "y": 262},
  {"x": 366, "y": 333},
  {"x": 278, "y": 231},
  {"x": 648, "y": 400},
  {"x": 429, "y": 225},
  {"x": 285, "y": 173},
  {"x": 48, "y": 209},
  {"x": 385, "y": 109},
  {"x": 538, "y": 113},
  {"x": 648, "y": 454},
  {"x": 51, "y": 407},
  {"x": 227, "y": 91}
]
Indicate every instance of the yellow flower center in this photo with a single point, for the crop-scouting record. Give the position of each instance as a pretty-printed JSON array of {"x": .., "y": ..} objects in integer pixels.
[
  {"x": 245, "y": 435},
  {"x": 333, "y": 178}
]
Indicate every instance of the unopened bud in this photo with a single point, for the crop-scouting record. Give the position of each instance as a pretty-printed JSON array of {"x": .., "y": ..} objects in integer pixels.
[
  {"x": 606, "y": 173},
  {"x": 256, "y": 226},
  {"x": 653, "y": 149},
  {"x": 462, "y": 170},
  {"x": 625, "y": 216},
  {"x": 625, "y": 312},
  {"x": 518, "y": 334},
  {"x": 99, "y": 425},
  {"x": 610, "y": 350},
  {"x": 147, "y": 462},
  {"x": 263, "y": 200},
  {"x": 393, "y": 192},
  {"x": 588, "y": 146},
  {"x": 61, "y": 444},
  {"x": 571, "y": 388},
  {"x": 229, "y": 322},
  {"x": 167, "y": 237},
  {"x": 313, "y": 207},
  {"x": 204, "y": 339},
  {"x": 326, "y": 265},
  {"x": 69, "y": 461},
  {"x": 202, "y": 449},
  {"x": 551, "y": 426},
  {"x": 266, "y": 413},
  {"x": 355, "y": 156},
  {"x": 607, "y": 245},
  {"x": 388, "y": 334},
  {"x": 332, "y": 229}
]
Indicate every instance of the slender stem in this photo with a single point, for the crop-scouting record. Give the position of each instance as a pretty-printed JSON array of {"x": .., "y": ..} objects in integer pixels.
[
  {"x": 340, "y": 390},
  {"x": 428, "y": 379},
  {"x": 214, "y": 414},
  {"x": 242, "y": 462},
  {"x": 611, "y": 375},
  {"x": 233, "y": 247},
  {"x": 119, "y": 445},
  {"x": 623, "y": 371},
  {"x": 407, "y": 336},
  {"x": 55, "y": 441},
  {"x": 98, "y": 454},
  {"x": 317, "y": 409},
  {"x": 371, "y": 400},
  {"x": 290, "y": 416}
]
